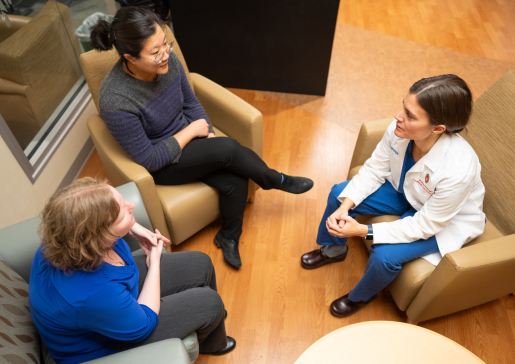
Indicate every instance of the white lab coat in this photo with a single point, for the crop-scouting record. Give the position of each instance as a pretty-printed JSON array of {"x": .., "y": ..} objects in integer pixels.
[{"x": 444, "y": 187}]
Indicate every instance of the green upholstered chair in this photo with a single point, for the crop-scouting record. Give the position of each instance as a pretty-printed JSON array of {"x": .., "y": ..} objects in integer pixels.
[{"x": 19, "y": 339}]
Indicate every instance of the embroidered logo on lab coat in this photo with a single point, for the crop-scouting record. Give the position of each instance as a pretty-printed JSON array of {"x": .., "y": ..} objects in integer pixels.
[
  {"x": 424, "y": 187},
  {"x": 427, "y": 177}
]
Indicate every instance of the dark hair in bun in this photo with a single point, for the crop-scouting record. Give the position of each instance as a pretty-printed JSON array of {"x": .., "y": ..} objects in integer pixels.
[
  {"x": 101, "y": 34},
  {"x": 131, "y": 27},
  {"x": 446, "y": 99}
]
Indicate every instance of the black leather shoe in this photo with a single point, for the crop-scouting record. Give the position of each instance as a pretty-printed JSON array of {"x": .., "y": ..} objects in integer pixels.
[
  {"x": 231, "y": 344},
  {"x": 296, "y": 185},
  {"x": 344, "y": 307},
  {"x": 317, "y": 258},
  {"x": 230, "y": 249}
]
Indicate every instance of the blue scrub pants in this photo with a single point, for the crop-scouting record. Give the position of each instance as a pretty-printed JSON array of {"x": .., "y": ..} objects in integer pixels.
[{"x": 385, "y": 261}]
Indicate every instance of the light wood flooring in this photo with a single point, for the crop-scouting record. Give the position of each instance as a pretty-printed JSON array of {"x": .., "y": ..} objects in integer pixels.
[{"x": 277, "y": 309}]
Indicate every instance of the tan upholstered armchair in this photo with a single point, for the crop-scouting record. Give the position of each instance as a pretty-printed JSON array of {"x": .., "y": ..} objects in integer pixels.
[
  {"x": 38, "y": 66},
  {"x": 177, "y": 211},
  {"x": 484, "y": 269}
]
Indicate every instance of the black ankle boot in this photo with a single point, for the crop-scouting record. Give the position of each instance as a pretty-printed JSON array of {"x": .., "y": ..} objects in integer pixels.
[
  {"x": 230, "y": 249},
  {"x": 231, "y": 344},
  {"x": 296, "y": 185}
]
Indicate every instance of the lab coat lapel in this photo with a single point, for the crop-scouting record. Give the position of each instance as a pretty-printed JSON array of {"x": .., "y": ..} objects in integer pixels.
[{"x": 433, "y": 158}]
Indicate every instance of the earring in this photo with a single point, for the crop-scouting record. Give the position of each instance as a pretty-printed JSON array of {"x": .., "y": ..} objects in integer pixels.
[{"x": 432, "y": 133}]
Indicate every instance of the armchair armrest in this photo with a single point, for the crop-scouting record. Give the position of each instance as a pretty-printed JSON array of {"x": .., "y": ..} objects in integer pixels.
[
  {"x": 230, "y": 114},
  {"x": 13, "y": 88},
  {"x": 14, "y": 98},
  {"x": 466, "y": 278},
  {"x": 121, "y": 169},
  {"x": 369, "y": 136},
  {"x": 17, "y": 22},
  {"x": 170, "y": 351}
]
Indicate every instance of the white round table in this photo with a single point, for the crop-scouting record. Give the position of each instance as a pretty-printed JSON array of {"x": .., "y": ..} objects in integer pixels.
[{"x": 386, "y": 342}]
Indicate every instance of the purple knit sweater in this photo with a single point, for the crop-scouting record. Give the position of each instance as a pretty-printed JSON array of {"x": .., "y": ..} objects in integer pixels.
[{"x": 143, "y": 116}]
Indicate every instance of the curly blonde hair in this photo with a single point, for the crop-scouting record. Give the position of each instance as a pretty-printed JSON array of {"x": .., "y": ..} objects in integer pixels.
[{"x": 76, "y": 224}]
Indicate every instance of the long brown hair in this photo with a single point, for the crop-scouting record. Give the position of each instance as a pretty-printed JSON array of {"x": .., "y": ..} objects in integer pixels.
[
  {"x": 76, "y": 224},
  {"x": 447, "y": 100}
]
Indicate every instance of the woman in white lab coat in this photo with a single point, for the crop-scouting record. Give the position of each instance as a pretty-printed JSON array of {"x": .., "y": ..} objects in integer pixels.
[{"x": 422, "y": 171}]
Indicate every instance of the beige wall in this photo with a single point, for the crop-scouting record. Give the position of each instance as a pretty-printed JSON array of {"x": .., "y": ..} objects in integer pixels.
[{"x": 19, "y": 198}]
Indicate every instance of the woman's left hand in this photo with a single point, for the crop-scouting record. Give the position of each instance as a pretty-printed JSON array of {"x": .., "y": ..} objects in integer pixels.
[
  {"x": 145, "y": 237},
  {"x": 350, "y": 229},
  {"x": 211, "y": 135}
]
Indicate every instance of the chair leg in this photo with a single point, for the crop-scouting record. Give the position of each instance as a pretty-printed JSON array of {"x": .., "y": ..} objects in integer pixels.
[{"x": 408, "y": 321}]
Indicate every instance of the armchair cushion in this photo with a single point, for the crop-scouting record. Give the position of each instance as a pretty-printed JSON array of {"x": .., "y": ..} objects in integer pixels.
[
  {"x": 191, "y": 207},
  {"x": 495, "y": 108},
  {"x": 19, "y": 338}
]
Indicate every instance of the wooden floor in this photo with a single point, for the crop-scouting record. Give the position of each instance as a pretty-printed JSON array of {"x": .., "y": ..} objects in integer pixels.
[
  {"x": 277, "y": 309},
  {"x": 483, "y": 28}
]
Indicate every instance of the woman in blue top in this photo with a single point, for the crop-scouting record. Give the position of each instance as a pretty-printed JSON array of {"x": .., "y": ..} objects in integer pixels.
[
  {"x": 89, "y": 297},
  {"x": 150, "y": 109},
  {"x": 424, "y": 172}
]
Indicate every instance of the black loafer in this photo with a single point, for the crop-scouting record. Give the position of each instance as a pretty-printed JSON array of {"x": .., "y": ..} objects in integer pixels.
[
  {"x": 230, "y": 249},
  {"x": 231, "y": 344},
  {"x": 344, "y": 307},
  {"x": 317, "y": 259},
  {"x": 295, "y": 185}
]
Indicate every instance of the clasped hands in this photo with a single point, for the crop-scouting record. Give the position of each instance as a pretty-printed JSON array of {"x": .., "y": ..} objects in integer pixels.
[
  {"x": 146, "y": 239},
  {"x": 341, "y": 225},
  {"x": 200, "y": 129}
]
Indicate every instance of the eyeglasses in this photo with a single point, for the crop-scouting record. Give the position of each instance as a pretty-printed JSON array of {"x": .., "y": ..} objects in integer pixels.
[{"x": 159, "y": 58}]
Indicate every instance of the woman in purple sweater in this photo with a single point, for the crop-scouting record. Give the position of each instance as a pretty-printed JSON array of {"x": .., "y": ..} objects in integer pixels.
[{"x": 151, "y": 111}]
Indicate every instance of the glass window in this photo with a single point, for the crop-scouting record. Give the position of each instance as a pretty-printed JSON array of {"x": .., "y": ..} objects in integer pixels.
[{"x": 42, "y": 87}]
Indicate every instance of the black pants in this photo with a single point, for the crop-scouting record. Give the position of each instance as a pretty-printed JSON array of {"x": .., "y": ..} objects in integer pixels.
[
  {"x": 226, "y": 165},
  {"x": 189, "y": 301}
]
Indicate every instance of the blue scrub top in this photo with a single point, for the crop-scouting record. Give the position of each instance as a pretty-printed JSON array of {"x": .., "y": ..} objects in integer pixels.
[
  {"x": 82, "y": 315},
  {"x": 408, "y": 163}
]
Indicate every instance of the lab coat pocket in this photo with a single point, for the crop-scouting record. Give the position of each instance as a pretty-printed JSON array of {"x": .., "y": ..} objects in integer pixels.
[{"x": 423, "y": 193}]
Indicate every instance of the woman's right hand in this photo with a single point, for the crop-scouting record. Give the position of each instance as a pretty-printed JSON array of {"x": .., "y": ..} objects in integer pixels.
[
  {"x": 154, "y": 254},
  {"x": 200, "y": 128}
]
